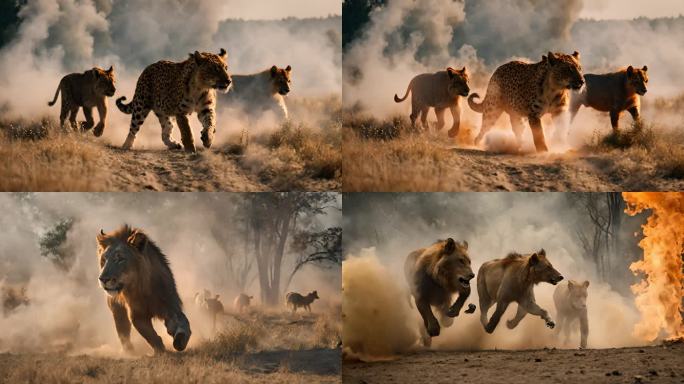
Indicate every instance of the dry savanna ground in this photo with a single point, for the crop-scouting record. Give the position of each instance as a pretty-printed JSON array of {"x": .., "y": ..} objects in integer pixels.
[
  {"x": 260, "y": 347},
  {"x": 653, "y": 364},
  {"x": 36, "y": 155},
  {"x": 387, "y": 155}
]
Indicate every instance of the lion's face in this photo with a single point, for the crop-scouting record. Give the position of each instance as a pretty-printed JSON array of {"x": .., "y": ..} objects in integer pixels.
[
  {"x": 213, "y": 70},
  {"x": 104, "y": 81},
  {"x": 118, "y": 261},
  {"x": 578, "y": 294},
  {"x": 280, "y": 80},
  {"x": 458, "y": 82},
  {"x": 566, "y": 71},
  {"x": 637, "y": 79},
  {"x": 541, "y": 269},
  {"x": 454, "y": 265}
]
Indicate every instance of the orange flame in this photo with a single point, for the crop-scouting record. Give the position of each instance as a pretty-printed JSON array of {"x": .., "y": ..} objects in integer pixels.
[{"x": 659, "y": 295}]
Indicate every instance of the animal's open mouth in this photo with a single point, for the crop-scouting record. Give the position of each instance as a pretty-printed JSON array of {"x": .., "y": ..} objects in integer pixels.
[{"x": 464, "y": 282}]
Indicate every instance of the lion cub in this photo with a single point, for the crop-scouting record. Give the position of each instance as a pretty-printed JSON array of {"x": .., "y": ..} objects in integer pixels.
[
  {"x": 571, "y": 305},
  {"x": 439, "y": 90},
  {"x": 503, "y": 281},
  {"x": 241, "y": 302},
  {"x": 434, "y": 274},
  {"x": 85, "y": 90},
  {"x": 295, "y": 300},
  {"x": 613, "y": 92}
]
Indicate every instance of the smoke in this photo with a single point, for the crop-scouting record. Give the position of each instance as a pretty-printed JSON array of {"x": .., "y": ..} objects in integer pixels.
[
  {"x": 494, "y": 224},
  {"x": 67, "y": 310},
  {"x": 660, "y": 293},
  {"x": 404, "y": 38},
  {"x": 59, "y": 37}
]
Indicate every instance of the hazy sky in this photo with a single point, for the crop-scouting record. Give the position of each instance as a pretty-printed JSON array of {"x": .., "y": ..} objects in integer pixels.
[
  {"x": 277, "y": 9},
  {"x": 629, "y": 9}
]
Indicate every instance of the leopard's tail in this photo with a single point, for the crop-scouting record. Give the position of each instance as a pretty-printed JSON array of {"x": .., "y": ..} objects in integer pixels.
[
  {"x": 59, "y": 88},
  {"x": 125, "y": 108},
  {"x": 473, "y": 105},
  {"x": 408, "y": 89}
]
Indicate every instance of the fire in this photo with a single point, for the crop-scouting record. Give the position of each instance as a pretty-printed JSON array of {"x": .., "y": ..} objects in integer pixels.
[{"x": 659, "y": 295}]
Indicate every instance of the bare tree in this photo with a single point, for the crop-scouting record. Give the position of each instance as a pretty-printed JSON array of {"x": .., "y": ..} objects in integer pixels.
[
  {"x": 274, "y": 218},
  {"x": 323, "y": 248}
]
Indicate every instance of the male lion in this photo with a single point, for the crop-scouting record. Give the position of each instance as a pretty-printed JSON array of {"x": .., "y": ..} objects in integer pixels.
[
  {"x": 295, "y": 300},
  {"x": 86, "y": 90},
  {"x": 571, "y": 305},
  {"x": 503, "y": 281},
  {"x": 434, "y": 274},
  {"x": 241, "y": 302},
  {"x": 439, "y": 90},
  {"x": 612, "y": 92},
  {"x": 529, "y": 90},
  {"x": 179, "y": 89},
  {"x": 262, "y": 91},
  {"x": 136, "y": 275}
]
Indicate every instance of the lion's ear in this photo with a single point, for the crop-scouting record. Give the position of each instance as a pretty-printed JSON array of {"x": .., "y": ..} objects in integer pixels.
[
  {"x": 197, "y": 56},
  {"x": 288, "y": 68},
  {"x": 465, "y": 244},
  {"x": 223, "y": 53},
  {"x": 645, "y": 68},
  {"x": 449, "y": 246},
  {"x": 586, "y": 283},
  {"x": 137, "y": 240},
  {"x": 630, "y": 71},
  {"x": 534, "y": 259},
  {"x": 274, "y": 71},
  {"x": 101, "y": 237},
  {"x": 450, "y": 71},
  {"x": 542, "y": 252},
  {"x": 576, "y": 55},
  {"x": 464, "y": 70},
  {"x": 552, "y": 57},
  {"x": 111, "y": 69}
]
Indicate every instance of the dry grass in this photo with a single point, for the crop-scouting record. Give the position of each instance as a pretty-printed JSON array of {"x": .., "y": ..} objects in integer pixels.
[
  {"x": 268, "y": 346},
  {"x": 36, "y": 156},
  {"x": 386, "y": 155}
]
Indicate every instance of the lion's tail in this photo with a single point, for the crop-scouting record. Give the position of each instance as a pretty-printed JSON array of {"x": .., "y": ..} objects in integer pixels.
[
  {"x": 59, "y": 88},
  {"x": 125, "y": 108},
  {"x": 473, "y": 105},
  {"x": 408, "y": 89}
]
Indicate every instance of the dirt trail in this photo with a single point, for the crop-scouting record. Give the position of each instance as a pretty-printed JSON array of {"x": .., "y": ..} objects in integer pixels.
[
  {"x": 164, "y": 170},
  {"x": 657, "y": 364}
]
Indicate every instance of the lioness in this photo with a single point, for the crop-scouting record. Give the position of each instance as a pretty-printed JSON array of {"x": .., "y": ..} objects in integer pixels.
[
  {"x": 241, "y": 302},
  {"x": 439, "y": 90},
  {"x": 571, "y": 305},
  {"x": 140, "y": 286},
  {"x": 262, "y": 91},
  {"x": 85, "y": 90},
  {"x": 503, "y": 281},
  {"x": 295, "y": 300},
  {"x": 613, "y": 92},
  {"x": 434, "y": 274}
]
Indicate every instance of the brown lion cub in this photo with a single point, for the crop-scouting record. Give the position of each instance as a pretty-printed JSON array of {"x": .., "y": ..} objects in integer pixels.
[
  {"x": 241, "y": 302},
  {"x": 85, "y": 90},
  {"x": 434, "y": 274},
  {"x": 439, "y": 90},
  {"x": 140, "y": 286},
  {"x": 295, "y": 300},
  {"x": 503, "y": 281},
  {"x": 613, "y": 92},
  {"x": 571, "y": 305}
]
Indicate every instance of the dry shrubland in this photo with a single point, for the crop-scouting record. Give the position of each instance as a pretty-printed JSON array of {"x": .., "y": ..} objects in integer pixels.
[
  {"x": 263, "y": 346},
  {"x": 387, "y": 155},
  {"x": 37, "y": 155}
]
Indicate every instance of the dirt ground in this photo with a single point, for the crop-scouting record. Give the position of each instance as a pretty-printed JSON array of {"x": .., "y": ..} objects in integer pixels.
[
  {"x": 654, "y": 364},
  {"x": 263, "y": 346}
]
